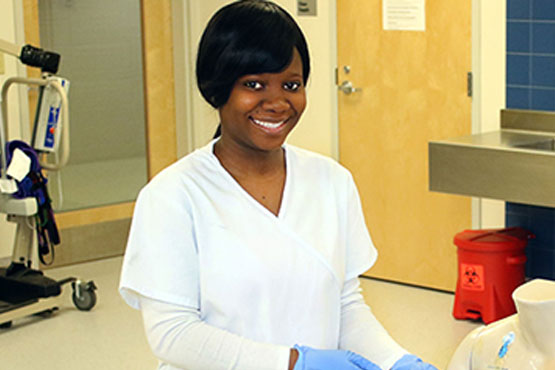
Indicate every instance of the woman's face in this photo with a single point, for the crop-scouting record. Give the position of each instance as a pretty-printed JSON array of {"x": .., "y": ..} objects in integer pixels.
[{"x": 263, "y": 108}]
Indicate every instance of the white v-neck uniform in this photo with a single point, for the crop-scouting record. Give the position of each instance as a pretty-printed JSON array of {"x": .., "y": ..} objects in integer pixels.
[{"x": 199, "y": 240}]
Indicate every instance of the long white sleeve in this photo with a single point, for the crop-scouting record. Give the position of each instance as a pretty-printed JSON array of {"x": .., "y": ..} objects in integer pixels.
[
  {"x": 362, "y": 333},
  {"x": 178, "y": 336}
]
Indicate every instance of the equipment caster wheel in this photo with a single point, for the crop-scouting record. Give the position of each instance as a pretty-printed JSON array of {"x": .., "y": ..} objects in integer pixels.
[
  {"x": 83, "y": 295},
  {"x": 6, "y": 325}
]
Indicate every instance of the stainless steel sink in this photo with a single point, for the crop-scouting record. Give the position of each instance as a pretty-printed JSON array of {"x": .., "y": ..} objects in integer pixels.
[
  {"x": 515, "y": 163},
  {"x": 548, "y": 145}
]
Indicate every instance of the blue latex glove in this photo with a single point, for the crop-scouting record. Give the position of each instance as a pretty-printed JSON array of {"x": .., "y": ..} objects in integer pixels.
[
  {"x": 320, "y": 359},
  {"x": 411, "y": 362}
]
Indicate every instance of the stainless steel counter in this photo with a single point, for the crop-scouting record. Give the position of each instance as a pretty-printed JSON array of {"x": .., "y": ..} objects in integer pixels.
[{"x": 515, "y": 163}]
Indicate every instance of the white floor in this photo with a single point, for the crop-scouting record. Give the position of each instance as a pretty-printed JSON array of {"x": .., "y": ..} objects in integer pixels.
[{"x": 111, "y": 335}]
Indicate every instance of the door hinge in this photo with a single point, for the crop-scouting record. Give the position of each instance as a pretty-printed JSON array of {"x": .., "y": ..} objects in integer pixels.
[{"x": 469, "y": 84}]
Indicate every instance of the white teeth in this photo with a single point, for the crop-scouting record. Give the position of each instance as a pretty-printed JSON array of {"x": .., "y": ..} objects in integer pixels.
[{"x": 268, "y": 124}]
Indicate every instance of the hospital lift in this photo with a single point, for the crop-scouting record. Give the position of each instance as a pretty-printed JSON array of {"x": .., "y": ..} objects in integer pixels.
[{"x": 24, "y": 199}]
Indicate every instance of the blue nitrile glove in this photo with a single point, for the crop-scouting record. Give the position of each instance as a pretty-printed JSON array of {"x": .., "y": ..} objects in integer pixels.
[
  {"x": 323, "y": 359},
  {"x": 411, "y": 362}
]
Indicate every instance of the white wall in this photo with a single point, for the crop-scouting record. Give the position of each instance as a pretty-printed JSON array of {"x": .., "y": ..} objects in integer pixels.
[
  {"x": 317, "y": 130},
  {"x": 488, "y": 66},
  {"x": 11, "y": 32}
]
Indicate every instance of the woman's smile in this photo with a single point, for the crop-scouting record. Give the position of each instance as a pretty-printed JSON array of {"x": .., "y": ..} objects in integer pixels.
[{"x": 269, "y": 125}]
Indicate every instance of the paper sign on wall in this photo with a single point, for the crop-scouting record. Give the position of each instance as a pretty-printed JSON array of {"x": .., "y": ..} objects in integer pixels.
[{"x": 404, "y": 15}]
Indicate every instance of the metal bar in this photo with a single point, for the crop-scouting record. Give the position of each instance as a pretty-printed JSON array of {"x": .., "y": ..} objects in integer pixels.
[
  {"x": 4, "y": 133},
  {"x": 24, "y": 237},
  {"x": 67, "y": 280},
  {"x": 42, "y": 305},
  {"x": 10, "y": 48}
]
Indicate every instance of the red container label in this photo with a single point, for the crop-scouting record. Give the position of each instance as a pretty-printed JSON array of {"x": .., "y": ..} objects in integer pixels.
[{"x": 472, "y": 277}]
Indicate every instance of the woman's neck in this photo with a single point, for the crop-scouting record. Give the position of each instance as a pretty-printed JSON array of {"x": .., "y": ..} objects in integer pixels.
[
  {"x": 260, "y": 173},
  {"x": 241, "y": 162}
]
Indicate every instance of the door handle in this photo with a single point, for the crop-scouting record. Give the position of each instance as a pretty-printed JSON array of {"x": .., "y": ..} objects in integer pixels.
[{"x": 347, "y": 87}]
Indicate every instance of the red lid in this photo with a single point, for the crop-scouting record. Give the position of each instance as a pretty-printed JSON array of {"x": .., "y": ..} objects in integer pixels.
[{"x": 499, "y": 240}]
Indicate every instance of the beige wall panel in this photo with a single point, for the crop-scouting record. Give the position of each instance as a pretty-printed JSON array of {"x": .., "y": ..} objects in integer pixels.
[
  {"x": 94, "y": 215},
  {"x": 91, "y": 242},
  {"x": 159, "y": 84},
  {"x": 31, "y": 22},
  {"x": 414, "y": 91},
  {"x": 92, "y": 234}
]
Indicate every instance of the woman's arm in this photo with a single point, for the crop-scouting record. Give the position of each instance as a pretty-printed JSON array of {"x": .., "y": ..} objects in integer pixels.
[
  {"x": 179, "y": 337},
  {"x": 362, "y": 333}
]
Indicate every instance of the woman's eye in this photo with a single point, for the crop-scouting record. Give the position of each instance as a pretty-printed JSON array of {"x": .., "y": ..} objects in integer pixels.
[
  {"x": 255, "y": 85},
  {"x": 292, "y": 85}
]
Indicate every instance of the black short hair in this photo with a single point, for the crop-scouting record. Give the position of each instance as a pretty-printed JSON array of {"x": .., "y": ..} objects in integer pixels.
[{"x": 246, "y": 37}]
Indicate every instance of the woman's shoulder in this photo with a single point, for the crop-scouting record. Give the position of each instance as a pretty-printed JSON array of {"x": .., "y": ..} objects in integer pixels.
[{"x": 190, "y": 168}]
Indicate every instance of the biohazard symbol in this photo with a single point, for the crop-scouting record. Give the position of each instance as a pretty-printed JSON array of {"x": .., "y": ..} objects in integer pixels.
[{"x": 472, "y": 277}]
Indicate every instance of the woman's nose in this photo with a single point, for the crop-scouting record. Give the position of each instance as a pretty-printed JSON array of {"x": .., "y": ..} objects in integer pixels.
[{"x": 275, "y": 101}]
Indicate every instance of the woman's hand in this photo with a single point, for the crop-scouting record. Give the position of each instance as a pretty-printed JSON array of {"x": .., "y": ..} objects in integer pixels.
[
  {"x": 317, "y": 359},
  {"x": 411, "y": 362}
]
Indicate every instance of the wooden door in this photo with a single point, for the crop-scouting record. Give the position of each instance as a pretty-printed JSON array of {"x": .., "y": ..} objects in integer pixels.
[{"x": 414, "y": 89}]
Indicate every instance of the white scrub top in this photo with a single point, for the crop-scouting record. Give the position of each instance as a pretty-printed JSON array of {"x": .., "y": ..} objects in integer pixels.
[{"x": 198, "y": 239}]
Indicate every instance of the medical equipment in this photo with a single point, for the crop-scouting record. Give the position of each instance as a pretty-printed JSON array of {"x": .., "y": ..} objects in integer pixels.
[
  {"x": 46, "y": 134},
  {"x": 24, "y": 198},
  {"x": 525, "y": 340}
]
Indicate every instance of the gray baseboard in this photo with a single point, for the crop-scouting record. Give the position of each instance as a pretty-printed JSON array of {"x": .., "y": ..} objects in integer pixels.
[{"x": 91, "y": 242}]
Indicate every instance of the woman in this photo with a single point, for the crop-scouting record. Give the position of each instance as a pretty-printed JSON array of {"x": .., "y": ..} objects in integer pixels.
[{"x": 246, "y": 253}]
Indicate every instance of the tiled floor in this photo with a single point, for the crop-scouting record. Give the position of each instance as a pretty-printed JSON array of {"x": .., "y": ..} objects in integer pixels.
[{"x": 111, "y": 335}]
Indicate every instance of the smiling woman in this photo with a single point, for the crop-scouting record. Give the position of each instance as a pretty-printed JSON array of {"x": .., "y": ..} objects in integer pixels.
[
  {"x": 262, "y": 109},
  {"x": 246, "y": 253},
  {"x": 255, "y": 121},
  {"x": 254, "y": 73}
]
